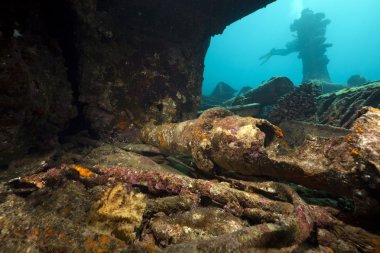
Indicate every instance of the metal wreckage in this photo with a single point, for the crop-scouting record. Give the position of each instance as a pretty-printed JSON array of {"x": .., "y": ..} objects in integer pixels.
[
  {"x": 93, "y": 164},
  {"x": 245, "y": 196}
]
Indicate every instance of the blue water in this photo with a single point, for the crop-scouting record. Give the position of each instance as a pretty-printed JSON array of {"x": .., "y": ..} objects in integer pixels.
[{"x": 354, "y": 32}]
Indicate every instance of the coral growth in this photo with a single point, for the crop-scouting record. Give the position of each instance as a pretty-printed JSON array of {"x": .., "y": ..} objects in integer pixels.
[
  {"x": 300, "y": 104},
  {"x": 84, "y": 172},
  {"x": 119, "y": 213},
  {"x": 178, "y": 213}
]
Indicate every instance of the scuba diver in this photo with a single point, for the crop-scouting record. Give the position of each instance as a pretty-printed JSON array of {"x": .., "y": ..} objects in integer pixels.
[{"x": 310, "y": 41}]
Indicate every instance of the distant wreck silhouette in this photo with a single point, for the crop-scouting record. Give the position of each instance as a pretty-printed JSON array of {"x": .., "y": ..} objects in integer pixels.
[{"x": 310, "y": 41}]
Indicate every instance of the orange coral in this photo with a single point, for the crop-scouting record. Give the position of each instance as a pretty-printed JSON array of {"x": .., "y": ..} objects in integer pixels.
[
  {"x": 199, "y": 135},
  {"x": 279, "y": 132},
  {"x": 348, "y": 138},
  {"x": 162, "y": 140},
  {"x": 196, "y": 134},
  {"x": 355, "y": 152},
  {"x": 36, "y": 232},
  {"x": 84, "y": 172},
  {"x": 359, "y": 130}
]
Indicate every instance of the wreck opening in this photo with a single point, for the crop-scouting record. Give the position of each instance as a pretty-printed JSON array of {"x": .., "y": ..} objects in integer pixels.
[
  {"x": 239, "y": 56},
  {"x": 233, "y": 56}
]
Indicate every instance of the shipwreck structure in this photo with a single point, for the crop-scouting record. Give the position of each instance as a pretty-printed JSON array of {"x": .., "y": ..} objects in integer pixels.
[{"x": 101, "y": 149}]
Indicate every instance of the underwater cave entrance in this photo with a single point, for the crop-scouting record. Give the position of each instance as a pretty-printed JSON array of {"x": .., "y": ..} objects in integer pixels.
[{"x": 233, "y": 57}]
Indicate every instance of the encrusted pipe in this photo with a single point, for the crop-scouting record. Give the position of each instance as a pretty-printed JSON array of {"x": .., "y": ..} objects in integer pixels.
[
  {"x": 216, "y": 139},
  {"x": 219, "y": 141}
]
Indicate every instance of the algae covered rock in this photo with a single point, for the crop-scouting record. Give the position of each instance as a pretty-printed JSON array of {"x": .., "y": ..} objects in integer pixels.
[
  {"x": 199, "y": 223},
  {"x": 340, "y": 108},
  {"x": 367, "y": 129},
  {"x": 210, "y": 213},
  {"x": 52, "y": 220},
  {"x": 222, "y": 92},
  {"x": 267, "y": 93},
  {"x": 109, "y": 156},
  {"x": 36, "y": 100}
]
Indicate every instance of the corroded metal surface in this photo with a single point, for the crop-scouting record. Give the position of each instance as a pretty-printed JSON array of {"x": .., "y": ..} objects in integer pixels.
[{"x": 219, "y": 141}]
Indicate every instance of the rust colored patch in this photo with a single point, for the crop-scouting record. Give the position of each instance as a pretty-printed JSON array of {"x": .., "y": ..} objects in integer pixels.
[
  {"x": 84, "y": 172},
  {"x": 78, "y": 251},
  {"x": 123, "y": 122},
  {"x": 123, "y": 125},
  {"x": 48, "y": 232},
  {"x": 284, "y": 144},
  {"x": 90, "y": 244},
  {"x": 162, "y": 140},
  {"x": 150, "y": 247},
  {"x": 101, "y": 250},
  {"x": 66, "y": 210},
  {"x": 104, "y": 239}
]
